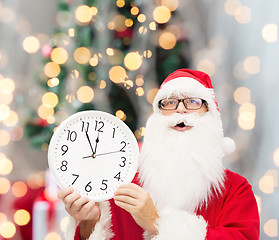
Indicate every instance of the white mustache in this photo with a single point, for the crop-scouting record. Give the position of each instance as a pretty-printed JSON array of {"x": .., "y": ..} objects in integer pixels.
[{"x": 190, "y": 119}]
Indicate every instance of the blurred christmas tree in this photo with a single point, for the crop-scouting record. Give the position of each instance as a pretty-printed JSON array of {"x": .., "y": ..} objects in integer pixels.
[{"x": 109, "y": 57}]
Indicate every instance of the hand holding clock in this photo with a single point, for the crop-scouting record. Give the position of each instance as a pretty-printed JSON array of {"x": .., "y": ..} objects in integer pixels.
[
  {"x": 86, "y": 211},
  {"x": 137, "y": 201},
  {"x": 130, "y": 197}
]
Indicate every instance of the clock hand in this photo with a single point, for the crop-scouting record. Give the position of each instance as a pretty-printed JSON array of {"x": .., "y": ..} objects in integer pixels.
[
  {"x": 95, "y": 155},
  {"x": 89, "y": 142},
  {"x": 107, "y": 153},
  {"x": 97, "y": 141}
]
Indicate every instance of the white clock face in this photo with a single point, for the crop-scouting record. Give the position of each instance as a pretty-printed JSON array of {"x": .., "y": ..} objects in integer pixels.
[{"x": 94, "y": 152}]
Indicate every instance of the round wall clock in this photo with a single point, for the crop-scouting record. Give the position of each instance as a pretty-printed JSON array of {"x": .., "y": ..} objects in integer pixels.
[{"x": 94, "y": 152}]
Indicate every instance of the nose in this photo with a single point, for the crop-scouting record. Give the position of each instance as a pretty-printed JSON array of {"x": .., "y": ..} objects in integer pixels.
[{"x": 181, "y": 108}]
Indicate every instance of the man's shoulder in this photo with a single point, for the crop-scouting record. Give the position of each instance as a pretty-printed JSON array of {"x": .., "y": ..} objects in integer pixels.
[{"x": 234, "y": 182}]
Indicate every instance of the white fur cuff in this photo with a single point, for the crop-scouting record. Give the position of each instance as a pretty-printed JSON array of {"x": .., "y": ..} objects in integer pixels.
[
  {"x": 180, "y": 225},
  {"x": 102, "y": 229}
]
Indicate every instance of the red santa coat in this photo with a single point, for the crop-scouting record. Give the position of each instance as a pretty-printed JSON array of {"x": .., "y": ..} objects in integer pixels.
[{"x": 229, "y": 216}]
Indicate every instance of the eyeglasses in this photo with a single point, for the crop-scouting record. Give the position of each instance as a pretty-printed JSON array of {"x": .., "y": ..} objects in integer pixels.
[{"x": 189, "y": 103}]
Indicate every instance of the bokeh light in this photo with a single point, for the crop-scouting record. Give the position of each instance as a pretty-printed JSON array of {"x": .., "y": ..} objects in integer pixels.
[
  {"x": 142, "y": 30},
  {"x": 7, "y": 229},
  {"x": 117, "y": 74},
  {"x": 151, "y": 94},
  {"x": 71, "y": 32},
  {"x": 247, "y": 116},
  {"x": 31, "y": 44},
  {"x": 94, "y": 60},
  {"x": 133, "y": 61},
  {"x": 3, "y": 218},
  {"x": 252, "y": 65},
  {"x": 83, "y": 14},
  {"x": 7, "y": 14},
  {"x": 243, "y": 14},
  {"x": 207, "y": 66},
  {"x": 110, "y": 51},
  {"x": 167, "y": 40},
  {"x": 6, "y": 166},
  {"x": 119, "y": 23},
  {"x": 268, "y": 182},
  {"x": 152, "y": 26},
  {"x": 120, "y": 3},
  {"x": 11, "y": 120},
  {"x": 161, "y": 14},
  {"x": 147, "y": 53},
  {"x": 172, "y": 5},
  {"x": 231, "y": 6},
  {"x": 7, "y": 85},
  {"x": 103, "y": 84},
  {"x": 52, "y": 69},
  {"x": 121, "y": 115},
  {"x": 94, "y": 11},
  {"x": 270, "y": 33},
  {"x": 50, "y": 99},
  {"x": 4, "y": 138},
  {"x": 139, "y": 132},
  {"x": 271, "y": 228},
  {"x": 19, "y": 189},
  {"x": 5, "y": 185},
  {"x": 85, "y": 94},
  {"x": 53, "y": 82},
  {"x": 82, "y": 55},
  {"x": 139, "y": 81},
  {"x": 63, "y": 223},
  {"x": 59, "y": 55},
  {"x": 36, "y": 180},
  {"x": 134, "y": 10},
  {"x": 139, "y": 91},
  {"x": 22, "y": 217},
  {"x": 129, "y": 22},
  {"x": 44, "y": 112},
  {"x": 128, "y": 83},
  {"x": 4, "y": 111},
  {"x": 6, "y": 98},
  {"x": 141, "y": 18},
  {"x": 242, "y": 95},
  {"x": 52, "y": 236}
]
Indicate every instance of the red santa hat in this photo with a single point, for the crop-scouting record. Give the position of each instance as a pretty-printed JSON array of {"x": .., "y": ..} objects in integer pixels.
[{"x": 192, "y": 83}]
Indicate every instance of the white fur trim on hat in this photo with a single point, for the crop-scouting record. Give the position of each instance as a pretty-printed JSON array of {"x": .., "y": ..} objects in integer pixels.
[
  {"x": 187, "y": 87},
  {"x": 102, "y": 229},
  {"x": 179, "y": 225}
]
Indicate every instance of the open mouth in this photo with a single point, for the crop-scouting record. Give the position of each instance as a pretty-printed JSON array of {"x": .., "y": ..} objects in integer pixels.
[{"x": 182, "y": 127}]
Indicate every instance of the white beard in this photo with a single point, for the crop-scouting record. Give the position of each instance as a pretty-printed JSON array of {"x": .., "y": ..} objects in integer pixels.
[{"x": 182, "y": 169}]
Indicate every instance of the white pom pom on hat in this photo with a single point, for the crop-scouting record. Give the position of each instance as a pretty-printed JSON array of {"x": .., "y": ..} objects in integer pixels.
[
  {"x": 228, "y": 145},
  {"x": 192, "y": 83}
]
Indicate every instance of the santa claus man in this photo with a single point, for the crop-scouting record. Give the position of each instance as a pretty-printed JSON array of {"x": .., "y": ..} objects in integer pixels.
[{"x": 182, "y": 190}]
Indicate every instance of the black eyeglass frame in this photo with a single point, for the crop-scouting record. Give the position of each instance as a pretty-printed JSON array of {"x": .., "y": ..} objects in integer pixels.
[{"x": 184, "y": 103}]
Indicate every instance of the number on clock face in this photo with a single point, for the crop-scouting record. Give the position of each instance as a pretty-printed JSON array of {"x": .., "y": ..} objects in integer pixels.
[{"x": 93, "y": 152}]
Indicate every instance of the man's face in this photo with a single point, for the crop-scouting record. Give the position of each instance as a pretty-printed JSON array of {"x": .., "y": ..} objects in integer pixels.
[{"x": 181, "y": 109}]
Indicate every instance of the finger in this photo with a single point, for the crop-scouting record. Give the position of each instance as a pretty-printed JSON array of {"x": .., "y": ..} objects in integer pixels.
[
  {"x": 132, "y": 186},
  {"x": 124, "y": 206},
  {"x": 70, "y": 199},
  {"x": 79, "y": 203},
  {"x": 126, "y": 199},
  {"x": 64, "y": 192},
  {"x": 127, "y": 190},
  {"x": 89, "y": 208}
]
